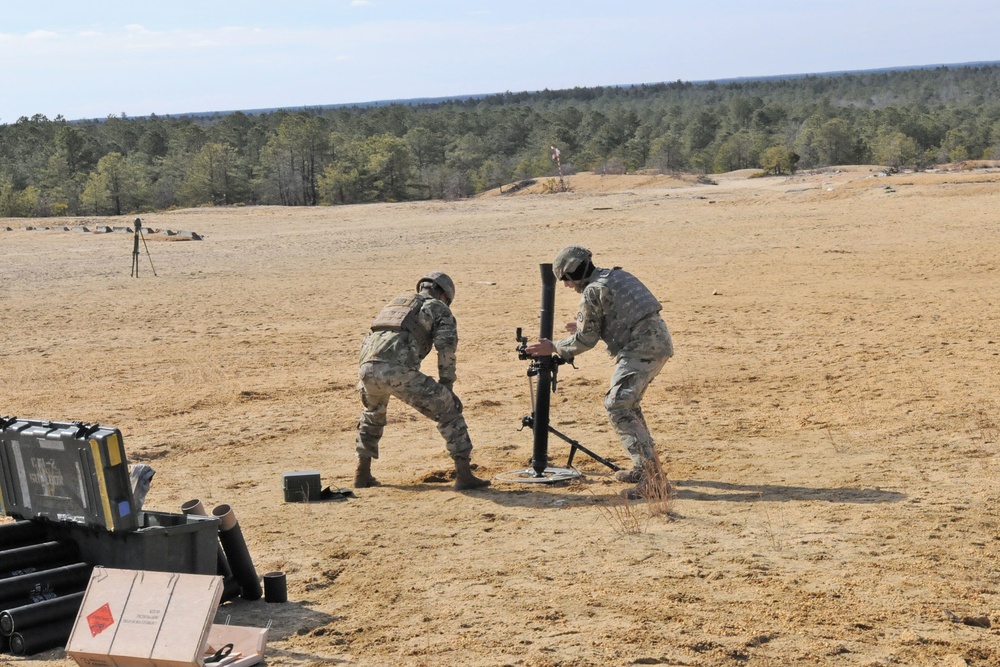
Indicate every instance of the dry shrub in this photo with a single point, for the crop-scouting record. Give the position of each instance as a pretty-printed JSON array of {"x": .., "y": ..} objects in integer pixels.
[
  {"x": 552, "y": 185},
  {"x": 632, "y": 516},
  {"x": 657, "y": 493},
  {"x": 624, "y": 517}
]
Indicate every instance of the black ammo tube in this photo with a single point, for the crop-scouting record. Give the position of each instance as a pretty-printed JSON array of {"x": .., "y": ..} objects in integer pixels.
[
  {"x": 236, "y": 552},
  {"x": 230, "y": 587},
  {"x": 72, "y": 578},
  {"x": 21, "y": 532},
  {"x": 42, "y": 637},
  {"x": 18, "y": 619},
  {"x": 35, "y": 555},
  {"x": 543, "y": 396}
]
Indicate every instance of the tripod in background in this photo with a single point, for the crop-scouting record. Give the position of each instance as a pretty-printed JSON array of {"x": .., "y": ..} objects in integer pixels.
[{"x": 135, "y": 249}]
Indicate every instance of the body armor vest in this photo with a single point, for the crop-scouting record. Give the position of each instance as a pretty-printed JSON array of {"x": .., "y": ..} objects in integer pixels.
[
  {"x": 631, "y": 301},
  {"x": 401, "y": 314}
]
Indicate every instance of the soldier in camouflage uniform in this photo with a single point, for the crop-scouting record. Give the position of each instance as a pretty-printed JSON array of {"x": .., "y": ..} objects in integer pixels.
[
  {"x": 617, "y": 308},
  {"x": 402, "y": 334}
]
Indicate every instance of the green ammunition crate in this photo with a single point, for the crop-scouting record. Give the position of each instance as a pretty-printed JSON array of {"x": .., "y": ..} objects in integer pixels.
[{"x": 164, "y": 542}]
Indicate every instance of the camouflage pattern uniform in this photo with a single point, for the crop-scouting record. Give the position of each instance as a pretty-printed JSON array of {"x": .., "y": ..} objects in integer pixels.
[
  {"x": 390, "y": 366},
  {"x": 618, "y": 309}
]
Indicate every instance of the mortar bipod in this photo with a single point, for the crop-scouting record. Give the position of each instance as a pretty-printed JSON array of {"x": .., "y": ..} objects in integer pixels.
[{"x": 574, "y": 445}]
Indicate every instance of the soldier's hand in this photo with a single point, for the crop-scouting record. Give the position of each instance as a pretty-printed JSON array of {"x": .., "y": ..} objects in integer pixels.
[
  {"x": 571, "y": 327},
  {"x": 541, "y": 348}
]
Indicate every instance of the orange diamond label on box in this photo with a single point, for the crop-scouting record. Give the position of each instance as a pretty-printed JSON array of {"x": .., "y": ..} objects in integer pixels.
[{"x": 100, "y": 620}]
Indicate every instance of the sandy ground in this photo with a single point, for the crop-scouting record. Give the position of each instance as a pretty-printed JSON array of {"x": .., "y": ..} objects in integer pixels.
[{"x": 829, "y": 422}]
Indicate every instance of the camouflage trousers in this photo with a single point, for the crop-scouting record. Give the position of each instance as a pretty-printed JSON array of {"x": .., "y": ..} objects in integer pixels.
[
  {"x": 628, "y": 385},
  {"x": 379, "y": 381}
]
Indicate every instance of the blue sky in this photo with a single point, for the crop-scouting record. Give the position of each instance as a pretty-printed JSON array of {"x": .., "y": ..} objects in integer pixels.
[{"x": 93, "y": 59}]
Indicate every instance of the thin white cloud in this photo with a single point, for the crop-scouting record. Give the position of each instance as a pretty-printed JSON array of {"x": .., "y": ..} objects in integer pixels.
[{"x": 41, "y": 34}]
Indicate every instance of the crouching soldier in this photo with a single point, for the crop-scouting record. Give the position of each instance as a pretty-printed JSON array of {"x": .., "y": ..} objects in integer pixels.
[{"x": 402, "y": 334}]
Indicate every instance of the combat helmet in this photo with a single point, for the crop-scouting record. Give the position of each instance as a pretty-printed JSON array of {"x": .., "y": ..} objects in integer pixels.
[
  {"x": 442, "y": 282},
  {"x": 572, "y": 263}
]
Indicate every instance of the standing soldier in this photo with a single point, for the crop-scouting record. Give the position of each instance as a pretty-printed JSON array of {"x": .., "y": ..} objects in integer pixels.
[
  {"x": 617, "y": 308},
  {"x": 402, "y": 334}
]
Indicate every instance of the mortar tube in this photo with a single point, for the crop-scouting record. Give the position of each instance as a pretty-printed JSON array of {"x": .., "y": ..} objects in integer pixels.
[
  {"x": 236, "y": 551},
  {"x": 230, "y": 587},
  {"x": 543, "y": 395},
  {"x": 42, "y": 637},
  {"x": 73, "y": 578},
  {"x": 38, "y": 554},
  {"x": 27, "y": 616}
]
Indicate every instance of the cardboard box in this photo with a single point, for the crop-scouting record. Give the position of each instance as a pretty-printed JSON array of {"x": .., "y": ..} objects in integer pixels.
[
  {"x": 140, "y": 618},
  {"x": 248, "y": 644}
]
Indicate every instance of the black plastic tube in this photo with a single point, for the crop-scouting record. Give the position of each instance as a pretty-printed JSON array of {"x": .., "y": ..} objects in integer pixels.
[
  {"x": 275, "y": 587},
  {"x": 21, "y": 532},
  {"x": 66, "y": 579},
  {"x": 17, "y": 619},
  {"x": 236, "y": 552},
  {"x": 42, "y": 637},
  {"x": 35, "y": 555},
  {"x": 231, "y": 588}
]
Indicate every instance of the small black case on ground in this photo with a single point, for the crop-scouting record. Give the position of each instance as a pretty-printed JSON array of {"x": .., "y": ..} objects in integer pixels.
[{"x": 302, "y": 486}]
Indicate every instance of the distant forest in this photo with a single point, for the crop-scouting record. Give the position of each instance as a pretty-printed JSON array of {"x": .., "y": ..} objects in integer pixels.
[{"x": 912, "y": 118}]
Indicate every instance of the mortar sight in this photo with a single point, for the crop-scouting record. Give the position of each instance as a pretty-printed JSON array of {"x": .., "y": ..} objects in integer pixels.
[{"x": 522, "y": 341}]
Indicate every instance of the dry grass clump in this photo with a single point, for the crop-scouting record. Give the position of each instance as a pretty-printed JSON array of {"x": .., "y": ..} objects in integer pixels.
[{"x": 629, "y": 515}]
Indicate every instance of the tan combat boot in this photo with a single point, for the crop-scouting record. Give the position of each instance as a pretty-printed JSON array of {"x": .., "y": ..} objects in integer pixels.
[
  {"x": 363, "y": 475},
  {"x": 652, "y": 483},
  {"x": 464, "y": 479},
  {"x": 633, "y": 476}
]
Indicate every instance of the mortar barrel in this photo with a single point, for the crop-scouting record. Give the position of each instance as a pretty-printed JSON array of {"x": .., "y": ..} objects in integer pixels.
[
  {"x": 543, "y": 395},
  {"x": 17, "y": 619},
  {"x": 236, "y": 551}
]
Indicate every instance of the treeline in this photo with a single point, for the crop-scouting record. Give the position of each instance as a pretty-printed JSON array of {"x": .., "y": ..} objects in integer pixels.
[{"x": 397, "y": 152}]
